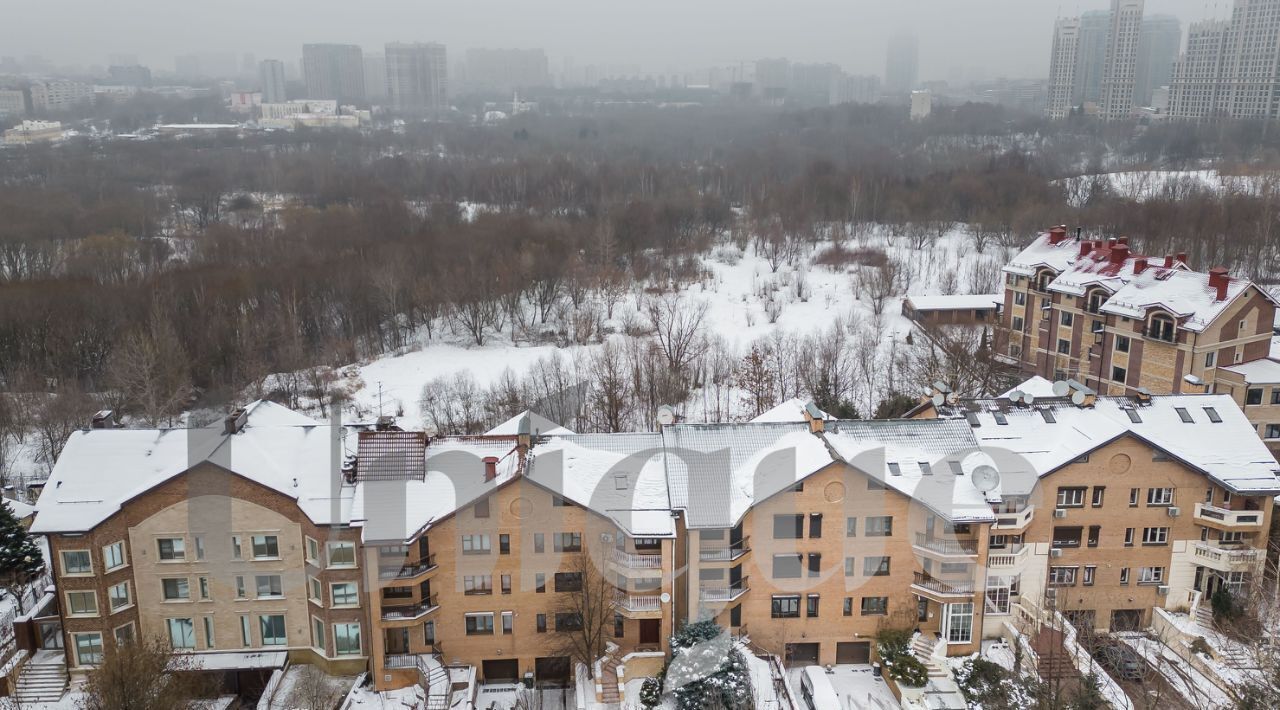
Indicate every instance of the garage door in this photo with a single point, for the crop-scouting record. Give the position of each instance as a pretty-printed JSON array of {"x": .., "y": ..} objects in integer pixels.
[
  {"x": 853, "y": 652},
  {"x": 802, "y": 654},
  {"x": 552, "y": 671},
  {"x": 506, "y": 670}
]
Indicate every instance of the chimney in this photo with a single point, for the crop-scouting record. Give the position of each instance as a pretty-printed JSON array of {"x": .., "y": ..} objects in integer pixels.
[
  {"x": 1057, "y": 235},
  {"x": 104, "y": 419},
  {"x": 1122, "y": 240},
  {"x": 1111, "y": 243},
  {"x": 1086, "y": 246},
  {"x": 1139, "y": 265},
  {"x": 1182, "y": 257},
  {"x": 1218, "y": 280},
  {"x": 1119, "y": 253},
  {"x": 235, "y": 421},
  {"x": 1168, "y": 262},
  {"x": 490, "y": 468},
  {"x": 814, "y": 416}
]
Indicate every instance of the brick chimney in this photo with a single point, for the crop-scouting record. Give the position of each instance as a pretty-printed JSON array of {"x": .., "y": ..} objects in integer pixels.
[
  {"x": 1218, "y": 281},
  {"x": 1111, "y": 242},
  {"x": 1122, "y": 240},
  {"x": 1182, "y": 257},
  {"x": 1168, "y": 262},
  {"x": 1058, "y": 234},
  {"x": 1119, "y": 253},
  {"x": 104, "y": 419},
  {"x": 1086, "y": 246},
  {"x": 1139, "y": 265},
  {"x": 490, "y": 468}
]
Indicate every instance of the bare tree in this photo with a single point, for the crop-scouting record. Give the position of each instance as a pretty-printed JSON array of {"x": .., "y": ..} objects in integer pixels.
[
  {"x": 151, "y": 371},
  {"x": 679, "y": 328},
  {"x": 313, "y": 689},
  {"x": 879, "y": 283},
  {"x": 145, "y": 675},
  {"x": 585, "y": 615}
]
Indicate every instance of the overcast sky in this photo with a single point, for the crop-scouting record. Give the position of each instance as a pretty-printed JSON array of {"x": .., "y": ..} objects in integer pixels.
[{"x": 993, "y": 37}]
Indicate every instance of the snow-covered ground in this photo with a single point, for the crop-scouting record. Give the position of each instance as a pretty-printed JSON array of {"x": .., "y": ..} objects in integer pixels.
[
  {"x": 1141, "y": 185},
  {"x": 855, "y": 684},
  {"x": 1190, "y": 683}
]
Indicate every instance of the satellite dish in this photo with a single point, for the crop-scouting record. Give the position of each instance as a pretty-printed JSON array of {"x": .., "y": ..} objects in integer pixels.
[
  {"x": 1028, "y": 398},
  {"x": 986, "y": 478},
  {"x": 1077, "y": 398},
  {"x": 1017, "y": 395},
  {"x": 665, "y": 598},
  {"x": 939, "y": 399},
  {"x": 666, "y": 415},
  {"x": 1061, "y": 388}
]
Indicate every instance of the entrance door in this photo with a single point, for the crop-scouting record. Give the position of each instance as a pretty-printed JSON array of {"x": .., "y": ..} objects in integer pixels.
[
  {"x": 397, "y": 641},
  {"x": 552, "y": 671},
  {"x": 853, "y": 652},
  {"x": 503, "y": 670},
  {"x": 51, "y": 635},
  {"x": 922, "y": 609},
  {"x": 650, "y": 632},
  {"x": 802, "y": 654}
]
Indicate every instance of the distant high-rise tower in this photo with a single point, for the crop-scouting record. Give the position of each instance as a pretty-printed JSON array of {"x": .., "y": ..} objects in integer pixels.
[
  {"x": 333, "y": 71},
  {"x": 1231, "y": 68},
  {"x": 375, "y": 77},
  {"x": 417, "y": 76},
  {"x": 1062, "y": 67},
  {"x": 1091, "y": 55},
  {"x": 902, "y": 65},
  {"x": 1158, "y": 45},
  {"x": 1119, "y": 72},
  {"x": 271, "y": 75}
]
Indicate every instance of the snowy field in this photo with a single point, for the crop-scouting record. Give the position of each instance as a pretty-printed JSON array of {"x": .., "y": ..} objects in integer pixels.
[{"x": 1144, "y": 185}]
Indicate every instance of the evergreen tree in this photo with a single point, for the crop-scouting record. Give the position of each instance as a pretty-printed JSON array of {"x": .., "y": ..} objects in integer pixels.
[
  {"x": 20, "y": 558},
  {"x": 707, "y": 670}
]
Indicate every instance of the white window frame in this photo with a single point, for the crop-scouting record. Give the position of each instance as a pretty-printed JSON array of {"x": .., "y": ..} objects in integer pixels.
[
  {"x": 128, "y": 596},
  {"x": 178, "y": 549},
  {"x": 355, "y": 595},
  {"x": 164, "y": 594},
  {"x": 191, "y": 628},
  {"x": 267, "y": 541},
  {"x": 1151, "y": 575},
  {"x": 312, "y": 549},
  {"x": 1070, "y": 497},
  {"x": 315, "y": 592},
  {"x": 317, "y": 630},
  {"x": 961, "y": 614},
  {"x": 1160, "y": 497},
  {"x": 284, "y": 628},
  {"x": 346, "y": 628},
  {"x": 1155, "y": 536},
  {"x": 75, "y": 642},
  {"x": 114, "y": 551},
  {"x": 65, "y": 567},
  {"x": 115, "y": 633},
  {"x": 341, "y": 545},
  {"x": 81, "y": 594}
]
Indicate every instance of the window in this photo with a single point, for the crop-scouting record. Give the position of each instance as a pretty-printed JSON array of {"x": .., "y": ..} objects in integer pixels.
[
  {"x": 272, "y": 628},
  {"x": 1184, "y": 415},
  {"x": 481, "y": 508},
  {"x": 1119, "y": 374},
  {"x": 620, "y": 481},
  {"x": 199, "y": 543},
  {"x": 313, "y": 591},
  {"x": 175, "y": 589},
  {"x": 317, "y": 634},
  {"x": 172, "y": 549},
  {"x": 849, "y": 569},
  {"x": 1064, "y": 346},
  {"x": 1133, "y": 415},
  {"x": 113, "y": 556},
  {"x": 1071, "y": 497},
  {"x": 1122, "y": 343},
  {"x": 203, "y": 584},
  {"x": 815, "y": 525},
  {"x": 895, "y": 469},
  {"x": 504, "y": 544},
  {"x": 1098, "y": 493},
  {"x": 1095, "y": 532},
  {"x": 341, "y": 554},
  {"x": 878, "y": 526},
  {"x": 508, "y": 622},
  {"x": 1150, "y": 575},
  {"x": 1273, "y": 431},
  {"x": 1062, "y": 576},
  {"x": 344, "y": 594},
  {"x": 477, "y": 584},
  {"x": 786, "y": 606},
  {"x": 88, "y": 648},
  {"x": 875, "y": 566},
  {"x": 182, "y": 633},
  {"x": 541, "y": 623},
  {"x": 1161, "y": 328},
  {"x": 346, "y": 639},
  {"x": 1230, "y": 538},
  {"x": 960, "y": 623},
  {"x": 118, "y": 596},
  {"x": 1253, "y": 395},
  {"x": 568, "y": 621},
  {"x": 82, "y": 603},
  {"x": 1155, "y": 536},
  {"x": 313, "y": 551},
  {"x": 429, "y": 633},
  {"x": 568, "y": 581},
  {"x": 539, "y": 542},
  {"x": 1019, "y": 298},
  {"x": 246, "y": 631},
  {"x": 76, "y": 562},
  {"x": 999, "y": 591},
  {"x": 875, "y": 606},
  {"x": 1133, "y": 497},
  {"x": 1275, "y": 395},
  {"x": 476, "y": 544},
  {"x": 851, "y": 527},
  {"x": 788, "y": 527},
  {"x": 1017, "y": 323},
  {"x": 1124, "y": 575},
  {"x": 268, "y": 586},
  {"x": 1159, "y": 496},
  {"x": 1067, "y": 536},
  {"x": 787, "y": 566},
  {"x": 240, "y": 593},
  {"x": 811, "y": 606},
  {"x": 1066, "y": 318},
  {"x": 265, "y": 547},
  {"x": 567, "y": 542},
  {"x": 1210, "y": 359},
  {"x": 236, "y": 549},
  {"x": 540, "y": 583},
  {"x": 124, "y": 634}
]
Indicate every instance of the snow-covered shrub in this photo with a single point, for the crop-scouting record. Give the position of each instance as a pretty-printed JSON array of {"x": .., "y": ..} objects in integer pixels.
[
  {"x": 651, "y": 693},
  {"x": 900, "y": 664},
  {"x": 707, "y": 670}
]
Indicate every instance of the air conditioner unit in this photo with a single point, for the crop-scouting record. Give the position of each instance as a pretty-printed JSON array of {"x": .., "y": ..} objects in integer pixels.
[
  {"x": 1055, "y": 552},
  {"x": 1174, "y": 511},
  {"x": 1059, "y": 512},
  {"x": 1162, "y": 590}
]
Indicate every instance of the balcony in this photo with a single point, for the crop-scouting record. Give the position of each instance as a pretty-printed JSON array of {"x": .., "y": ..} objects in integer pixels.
[
  {"x": 639, "y": 606},
  {"x": 632, "y": 560},
  {"x": 412, "y": 612},
  {"x": 1007, "y": 557},
  {"x": 945, "y": 547},
  {"x": 732, "y": 592},
  {"x": 1227, "y": 519},
  {"x": 1013, "y": 522},
  {"x": 733, "y": 552},
  {"x": 1226, "y": 559},
  {"x": 940, "y": 591},
  {"x": 408, "y": 571}
]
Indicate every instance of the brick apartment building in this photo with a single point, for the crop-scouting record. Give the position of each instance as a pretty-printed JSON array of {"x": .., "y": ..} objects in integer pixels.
[
  {"x": 1117, "y": 321},
  {"x": 275, "y": 536}
]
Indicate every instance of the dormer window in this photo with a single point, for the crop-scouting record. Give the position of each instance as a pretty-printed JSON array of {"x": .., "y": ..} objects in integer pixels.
[
  {"x": 1043, "y": 279},
  {"x": 1097, "y": 297},
  {"x": 1162, "y": 328}
]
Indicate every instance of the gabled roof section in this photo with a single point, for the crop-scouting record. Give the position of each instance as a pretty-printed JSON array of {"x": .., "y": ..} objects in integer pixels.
[
  {"x": 1041, "y": 253},
  {"x": 1185, "y": 294},
  {"x": 792, "y": 410},
  {"x": 537, "y": 425}
]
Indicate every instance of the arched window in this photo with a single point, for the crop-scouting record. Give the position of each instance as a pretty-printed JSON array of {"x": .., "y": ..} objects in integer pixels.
[
  {"x": 1095, "y": 299},
  {"x": 1043, "y": 279},
  {"x": 1162, "y": 327}
]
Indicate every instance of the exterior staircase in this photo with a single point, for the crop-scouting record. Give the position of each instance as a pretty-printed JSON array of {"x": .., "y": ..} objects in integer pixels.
[
  {"x": 1204, "y": 615},
  {"x": 1053, "y": 660},
  {"x": 610, "y": 693},
  {"x": 43, "y": 679},
  {"x": 922, "y": 647}
]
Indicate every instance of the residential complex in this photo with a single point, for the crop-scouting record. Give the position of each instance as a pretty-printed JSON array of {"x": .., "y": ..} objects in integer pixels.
[
  {"x": 372, "y": 548},
  {"x": 1230, "y": 68},
  {"x": 1063, "y": 65},
  {"x": 271, "y": 76},
  {"x": 1119, "y": 72},
  {"x": 334, "y": 71},
  {"x": 1159, "y": 42},
  {"x": 417, "y": 76}
]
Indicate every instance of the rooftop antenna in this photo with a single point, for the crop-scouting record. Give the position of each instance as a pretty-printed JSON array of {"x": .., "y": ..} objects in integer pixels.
[{"x": 379, "y": 398}]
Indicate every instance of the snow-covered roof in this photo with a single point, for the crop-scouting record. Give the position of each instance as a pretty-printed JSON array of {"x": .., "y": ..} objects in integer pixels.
[
  {"x": 1040, "y": 253},
  {"x": 975, "y": 301},
  {"x": 1034, "y": 441},
  {"x": 101, "y": 469},
  {"x": 20, "y": 509},
  {"x": 1260, "y": 371},
  {"x": 792, "y": 410},
  {"x": 1186, "y": 294},
  {"x": 1036, "y": 386},
  {"x": 1095, "y": 269},
  {"x": 538, "y": 426}
]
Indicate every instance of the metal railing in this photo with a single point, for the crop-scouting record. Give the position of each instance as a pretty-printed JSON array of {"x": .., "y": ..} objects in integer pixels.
[
  {"x": 1228, "y": 516},
  {"x": 634, "y": 560},
  {"x": 725, "y": 554},
  {"x": 958, "y": 587},
  {"x": 1220, "y": 554},
  {"x": 947, "y": 546},
  {"x": 407, "y": 570},
  {"x": 723, "y": 593},
  {"x": 638, "y": 602},
  {"x": 401, "y": 613}
]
